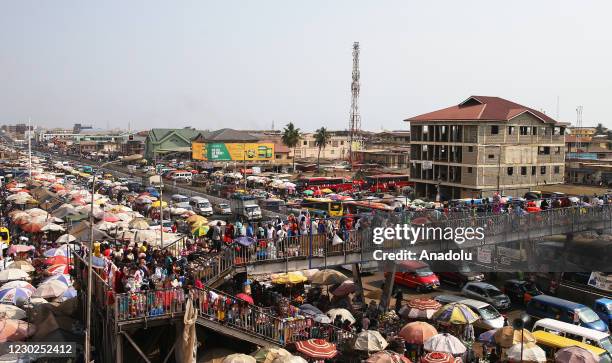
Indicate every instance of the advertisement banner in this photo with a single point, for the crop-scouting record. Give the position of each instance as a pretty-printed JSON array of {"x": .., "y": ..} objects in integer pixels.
[
  {"x": 198, "y": 151},
  {"x": 601, "y": 280},
  {"x": 240, "y": 151}
]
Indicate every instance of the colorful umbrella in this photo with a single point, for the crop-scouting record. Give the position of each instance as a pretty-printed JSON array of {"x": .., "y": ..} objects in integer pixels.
[
  {"x": 417, "y": 332},
  {"x": 12, "y": 330},
  {"x": 15, "y": 295},
  {"x": 65, "y": 238},
  {"x": 308, "y": 192},
  {"x": 56, "y": 260},
  {"x": 245, "y": 297},
  {"x": 328, "y": 277},
  {"x": 15, "y": 249},
  {"x": 527, "y": 353},
  {"x": 370, "y": 341},
  {"x": 58, "y": 269},
  {"x": 444, "y": 343},
  {"x": 51, "y": 227},
  {"x": 12, "y": 312},
  {"x": 63, "y": 250},
  {"x": 438, "y": 357},
  {"x": 22, "y": 265},
  {"x": 387, "y": 356},
  {"x": 343, "y": 313},
  {"x": 488, "y": 336},
  {"x": 50, "y": 289},
  {"x": 18, "y": 283},
  {"x": 156, "y": 204},
  {"x": 139, "y": 223},
  {"x": 196, "y": 218},
  {"x": 109, "y": 217},
  {"x": 245, "y": 241},
  {"x": 289, "y": 278},
  {"x": 508, "y": 336},
  {"x": 575, "y": 354},
  {"x": 13, "y": 274},
  {"x": 200, "y": 231},
  {"x": 65, "y": 279},
  {"x": 317, "y": 348},
  {"x": 420, "y": 308},
  {"x": 455, "y": 313},
  {"x": 345, "y": 288}
]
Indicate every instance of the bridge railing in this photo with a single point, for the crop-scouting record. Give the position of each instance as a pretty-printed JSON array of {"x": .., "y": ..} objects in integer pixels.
[{"x": 149, "y": 304}]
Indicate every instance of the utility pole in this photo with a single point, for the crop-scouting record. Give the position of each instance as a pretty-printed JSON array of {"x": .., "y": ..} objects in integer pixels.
[
  {"x": 30, "y": 147},
  {"x": 579, "y": 127},
  {"x": 354, "y": 118}
]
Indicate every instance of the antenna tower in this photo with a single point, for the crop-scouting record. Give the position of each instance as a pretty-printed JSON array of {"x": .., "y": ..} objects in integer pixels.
[
  {"x": 579, "y": 127},
  {"x": 354, "y": 118}
]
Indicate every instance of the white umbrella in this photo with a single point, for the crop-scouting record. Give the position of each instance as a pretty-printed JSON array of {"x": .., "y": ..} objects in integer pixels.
[
  {"x": 214, "y": 223},
  {"x": 13, "y": 274},
  {"x": 529, "y": 353},
  {"x": 65, "y": 238},
  {"x": 343, "y": 313},
  {"x": 38, "y": 301},
  {"x": 444, "y": 343},
  {"x": 52, "y": 227},
  {"x": 12, "y": 312},
  {"x": 53, "y": 288},
  {"x": 239, "y": 358},
  {"x": 370, "y": 341}
]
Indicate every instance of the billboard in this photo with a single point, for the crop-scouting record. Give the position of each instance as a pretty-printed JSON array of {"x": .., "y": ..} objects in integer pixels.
[{"x": 221, "y": 151}]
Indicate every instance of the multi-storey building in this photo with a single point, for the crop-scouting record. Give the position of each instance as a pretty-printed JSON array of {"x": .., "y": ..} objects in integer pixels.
[{"x": 484, "y": 145}]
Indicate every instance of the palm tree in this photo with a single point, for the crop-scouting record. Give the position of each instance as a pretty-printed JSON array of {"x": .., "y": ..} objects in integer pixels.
[
  {"x": 321, "y": 139},
  {"x": 290, "y": 138}
]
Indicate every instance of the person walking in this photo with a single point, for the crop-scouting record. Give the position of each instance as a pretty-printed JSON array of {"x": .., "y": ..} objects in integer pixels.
[{"x": 216, "y": 236}]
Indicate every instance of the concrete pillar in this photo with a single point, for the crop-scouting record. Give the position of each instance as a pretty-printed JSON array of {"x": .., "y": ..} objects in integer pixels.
[
  {"x": 388, "y": 288},
  {"x": 119, "y": 348},
  {"x": 357, "y": 279}
]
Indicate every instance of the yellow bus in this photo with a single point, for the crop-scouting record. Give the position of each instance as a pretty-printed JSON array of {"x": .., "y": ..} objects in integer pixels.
[
  {"x": 330, "y": 207},
  {"x": 552, "y": 342}
]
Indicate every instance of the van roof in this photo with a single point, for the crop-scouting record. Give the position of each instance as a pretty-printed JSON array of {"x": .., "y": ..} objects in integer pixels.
[
  {"x": 558, "y": 341},
  {"x": 563, "y": 326},
  {"x": 555, "y": 300}
]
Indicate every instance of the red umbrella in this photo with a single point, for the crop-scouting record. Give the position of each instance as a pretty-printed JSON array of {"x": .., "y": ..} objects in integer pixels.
[
  {"x": 345, "y": 288},
  {"x": 245, "y": 297},
  {"x": 110, "y": 218},
  {"x": 58, "y": 260},
  {"x": 317, "y": 348},
  {"x": 417, "y": 332},
  {"x": 15, "y": 249},
  {"x": 438, "y": 357},
  {"x": 58, "y": 269},
  {"x": 387, "y": 357},
  {"x": 424, "y": 303},
  {"x": 32, "y": 227}
]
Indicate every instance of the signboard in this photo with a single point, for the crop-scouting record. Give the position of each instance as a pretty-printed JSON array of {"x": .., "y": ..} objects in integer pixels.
[
  {"x": 601, "y": 280},
  {"x": 240, "y": 151},
  {"x": 584, "y": 156},
  {"x": 427, "y": 165},
  {"x": 484, "y": 255},
  {"x": 198, "y": 151},
  {"x": 155, "y": 180}
]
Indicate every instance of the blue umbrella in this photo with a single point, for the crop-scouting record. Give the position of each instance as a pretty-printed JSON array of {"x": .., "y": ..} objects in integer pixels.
[
  {"x": 310, "y": 309},
  {"x": 15, "y": 295},
  {"x": 488, "y": 336},
  {"x": 70, "y": 293},
  {"x": 245, "y": 241},
  {"x": 63, "y": 278}
]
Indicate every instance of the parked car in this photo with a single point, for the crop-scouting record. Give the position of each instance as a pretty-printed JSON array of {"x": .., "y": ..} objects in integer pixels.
[
  {"x": 222, "y": 208},
  {"x": 520, "y": 291},
  {"x": 416, "y": 275},
  {"x": 490, "y": 318},
  {"x": 456, "y": 273},
  {"x": 486, "y": 292},
  {"x": 603, "y": 308},
  {"x": 544, "y": 306}
]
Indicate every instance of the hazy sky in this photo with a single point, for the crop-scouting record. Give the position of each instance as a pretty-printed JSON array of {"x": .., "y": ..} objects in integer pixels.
[{"x": 245, "y": 64}]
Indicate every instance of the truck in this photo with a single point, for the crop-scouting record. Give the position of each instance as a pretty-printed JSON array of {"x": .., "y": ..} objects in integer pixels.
[{"x": 245, "y": 206}]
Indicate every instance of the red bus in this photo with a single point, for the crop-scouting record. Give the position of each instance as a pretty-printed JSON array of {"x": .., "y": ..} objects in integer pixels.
[
  {"x": 336, "y": 184},
  {"x": 382, "y": 183}
]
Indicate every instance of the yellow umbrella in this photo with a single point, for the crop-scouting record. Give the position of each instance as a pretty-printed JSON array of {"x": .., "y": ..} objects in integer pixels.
[
  {"x": 290, "y": 278},
  {"x": 157, "y": 203},
  {"x": 326, "y": 191},
  {"x": 196, "y": 218},
  {"x": 200, "y": 231}
]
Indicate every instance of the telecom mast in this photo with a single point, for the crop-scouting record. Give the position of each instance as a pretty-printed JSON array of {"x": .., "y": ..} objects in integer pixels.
[
  {"x": 579, "y": 127},
  {"x": 354, "y": 118}
]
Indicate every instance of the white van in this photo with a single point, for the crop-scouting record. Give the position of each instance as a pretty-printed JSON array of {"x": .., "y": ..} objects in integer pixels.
[
  {"x": 490, "y": 318},
  {"x": 182, "y": 177},
  {"x": 575, "y": 332},
  {"x": 201, "y": 206}
]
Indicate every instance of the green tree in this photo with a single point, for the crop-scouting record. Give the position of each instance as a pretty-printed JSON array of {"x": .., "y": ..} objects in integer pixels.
[
  {"x": 291, "y": 138},
  {"x": 322, "y": 138}
]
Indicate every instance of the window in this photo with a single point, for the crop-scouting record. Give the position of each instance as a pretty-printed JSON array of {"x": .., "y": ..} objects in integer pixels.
[
  {"x": 558, "y": 150},
  {"x": 510, "y": 170},
  {"x": 305, "y": 143},
  {"x": 470, "y": 149},
  {"x": 535, "y": 130},
  {"x": 523, "y": 170},
  {"x": 491, "y": 156},
  {"x": 557, "y": 169},
  {"x": 543, "y": 170},
  {"x": 525, "y": 130},
  {"x": 341, "y": 142},
  {"x": 494, "y": 130},
  {"x": 469, "y": 170},
  {"x": 533, "y": 170},
  {"x": 544, "y": 150},
  {"x": 510, "y": 130}
]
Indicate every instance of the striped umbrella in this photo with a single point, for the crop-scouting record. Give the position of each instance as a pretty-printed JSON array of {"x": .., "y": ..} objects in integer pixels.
[
  {"x": 387, "y": 356},
  {"x": 50, "y": 289},
  {"x": 63, "y": 250},
  {"x": 12, "y": 312},
  {"x": 18, "y": 283},
  {"x": 65, "y": 279},
  {"x": 14, "y": 295},
  {"x": 12, "y": 330},
  {"x": 420, "y": 308},
  {"x": 58, "y": 269},
  {"x": 417, "y": 332},
  {"x": 58, "y": 260},
  {"x": 317, "y": 348},
  {"x": 455, "y": 313},
  {"x": 438, "y": 357},
  {"x": 444, "y": 343}
]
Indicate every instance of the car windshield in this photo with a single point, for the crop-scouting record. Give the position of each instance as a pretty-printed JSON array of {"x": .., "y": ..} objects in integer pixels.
[
  {"x": 489, "y": 313},
  {"x": 223, "y": 205},
  {"x": 423, "y": 271},
  {"x": 587, "y": 315},
  {"x": 606, "y": 343},
  {"x": 493, "y": 292},
  {"x": 204, "y": 205}
]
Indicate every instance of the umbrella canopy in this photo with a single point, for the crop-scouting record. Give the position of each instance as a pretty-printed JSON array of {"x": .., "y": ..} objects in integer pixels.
[
  {"x": 157, "y": 203},
  {"x": 322, "y": 318},
  {"x": 345, "y": 288},
  {"x": 387, "y": 356},
  {"x": 50, "y": 289},
  {"x": 22, "y": 265},
  {"x": 58, "y": 260},
  {"x": 310, "y": 309},
  {"x": 15, "y": 295},
  {"x": 444, "y": 343},
  {"x": 265, "y": 354},
  {"x": 289, "y": 278},
  {"x": 65, "y": 279},
  {"x": 417, "y": 332},
  {"x": 106, "y": 226},
  {"x": 13, "y": 274},
  {"x": 245, "y": 241},
  {"x": 18, "y": 283},
  {"x": 343, "y": 313},
  {"x": 196, "y": 218},
  {"x": 109, "y": 217},
  {"x": 328, "y": 277},
  {"x": 139, "y": 223},
  {"x": 15, "y": 249},
  {"x": 370, "y": 341},
  {"x": 529, "y": 353},
  {"x": 52, "y": 227},
  {"x": 239, "y": 358},
  {"x": 11, "y": 312},
  {"x": 508, "y": 336},
  {"x": 65, "y": 238},
  {"x": 63, "y": 250},
  {"x": 488, "y": 336},
  {"x": 455, "y": 313},
  {"x": 438, "y": 357},
  {"x": 58, "y": 269},
  {"x": 420, "y": 308},
  {"x": 244, "y": 297},
  {"x": 12, "y": 330},
  {"x": 575, "y": 354},
  {"x": 317, "y": 348}
]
